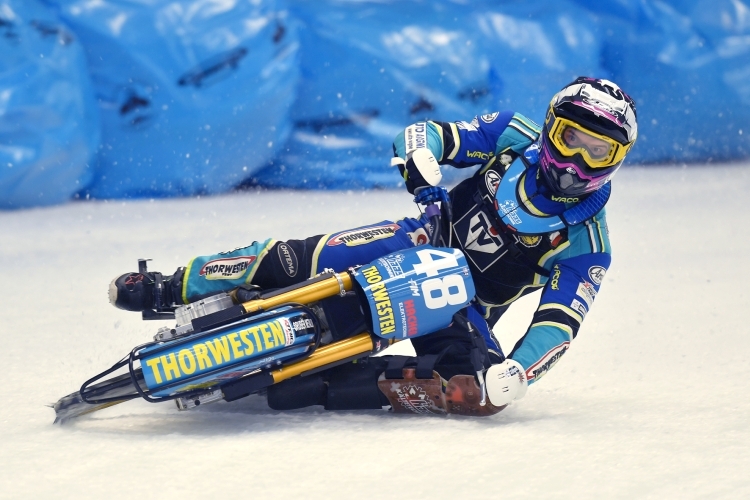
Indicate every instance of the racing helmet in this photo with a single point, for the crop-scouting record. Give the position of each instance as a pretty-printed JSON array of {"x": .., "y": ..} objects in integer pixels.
[{"x": 591, "y": 125}]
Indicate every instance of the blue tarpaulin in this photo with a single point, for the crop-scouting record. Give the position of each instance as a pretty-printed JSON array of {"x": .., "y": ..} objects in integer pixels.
[
  {"x": 198, "y": 96},
  {"x": 368, "y": 73},
  {"x": 49, "y": 127},
  {"x": 381, "y": 66},
  {"x": 193, "y": 95}
]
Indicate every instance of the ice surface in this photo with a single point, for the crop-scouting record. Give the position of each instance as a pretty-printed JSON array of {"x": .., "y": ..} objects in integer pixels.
[{"x": 652, "y": 400}]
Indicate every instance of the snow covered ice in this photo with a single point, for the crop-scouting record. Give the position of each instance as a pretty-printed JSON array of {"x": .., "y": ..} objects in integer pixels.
[{"x": 651, "y": 401}]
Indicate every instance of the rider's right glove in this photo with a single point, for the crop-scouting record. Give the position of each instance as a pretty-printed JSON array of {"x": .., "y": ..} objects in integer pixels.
[{"x": 506, "y": 382}]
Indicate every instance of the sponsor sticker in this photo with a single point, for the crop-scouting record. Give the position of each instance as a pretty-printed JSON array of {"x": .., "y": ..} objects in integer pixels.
[
  {"x": 509, "y": 208},
  {"x": 506, "y": 159},
  {"x": 392, "y": 264},
  {"x": 378, "y": 292},
  {"x": 226, "y": 269},
  {"x": 466, "y": 126},
  {"x": 479, "y": 239},
  {"x": 596, "y": 273},
  {"x": 419, "y": 237},
  {"x": 481, "y": 235},
  {"x": 288, "y": 259},
  {"x": 288, "y": 328},
  {"x": 479, "y": 154},
  {"x": 133, "y": 280},
  {"x": 303, "y": 324},
  {"x": 414, "y": 287},
  {"x": 538, "y": 369},
  {"x": 492, "y": 179},
  {"x": 530, "y": 241},
  {"x": 565, "y": 199},
  {"x": 555, "y": 279},
  {"x": 555, "y": 239},
  {"x": 415, "y": 137},
  {"x": 414, "y": 398},
  {"x": 587, "y": 292},
  {"x": 602, "y": 99},
  {"x": 489, "y": 118},
  {"x": 410, "y": 318},
  {"x": 577, "y": 306},
  {"x": 257, "y": 341},
  {"x": 362, "y": 236}
]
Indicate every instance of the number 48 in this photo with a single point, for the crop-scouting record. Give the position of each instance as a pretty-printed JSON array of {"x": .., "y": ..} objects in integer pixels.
[{"x": 451, "y": 287}]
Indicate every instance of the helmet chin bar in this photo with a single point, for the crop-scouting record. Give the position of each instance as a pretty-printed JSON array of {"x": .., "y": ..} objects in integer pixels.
[
  {"x": 565, "y": 184},
  {"x": 566, "y": 180}
]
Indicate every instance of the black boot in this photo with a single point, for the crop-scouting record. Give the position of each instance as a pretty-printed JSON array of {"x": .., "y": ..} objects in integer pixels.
[{"x": 139, "y": 291}]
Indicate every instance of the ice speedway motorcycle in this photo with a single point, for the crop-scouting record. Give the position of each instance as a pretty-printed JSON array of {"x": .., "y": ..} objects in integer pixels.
[{"x": 221, "y": 348}]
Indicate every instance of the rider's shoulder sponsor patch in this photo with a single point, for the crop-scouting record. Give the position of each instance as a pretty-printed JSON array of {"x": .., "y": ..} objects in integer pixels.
[{"x": 489, "y": 118}]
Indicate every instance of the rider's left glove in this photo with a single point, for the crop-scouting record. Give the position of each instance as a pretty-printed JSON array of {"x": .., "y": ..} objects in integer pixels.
[
  {"x": 410, "y": 173},
  {"x": 416, "y": 150},
  {"x": 420, "y": 169},
  {"x": 506, "y": 382}
]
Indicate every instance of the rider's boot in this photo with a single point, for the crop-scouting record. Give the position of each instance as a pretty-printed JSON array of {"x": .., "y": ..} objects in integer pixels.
[{"x": 149, "y": 290}]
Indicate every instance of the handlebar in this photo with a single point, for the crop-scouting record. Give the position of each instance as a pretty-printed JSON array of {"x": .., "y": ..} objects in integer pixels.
[{"x": 428, "y": 196}]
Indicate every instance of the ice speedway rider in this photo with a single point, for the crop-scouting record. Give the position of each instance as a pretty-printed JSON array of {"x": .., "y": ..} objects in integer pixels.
[{"x": 532, "y": 216}]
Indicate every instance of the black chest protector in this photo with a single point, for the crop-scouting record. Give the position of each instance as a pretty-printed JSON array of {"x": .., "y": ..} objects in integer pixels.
[{"x": 503, "y": 255}]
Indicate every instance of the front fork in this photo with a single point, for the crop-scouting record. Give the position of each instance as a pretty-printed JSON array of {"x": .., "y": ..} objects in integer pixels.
[{"x": 313, "y": 290}]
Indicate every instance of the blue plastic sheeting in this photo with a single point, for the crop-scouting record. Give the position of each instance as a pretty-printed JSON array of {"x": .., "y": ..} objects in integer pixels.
[
  {"x": 48, "y": 118},
  {"x": 193, "y": 94},
  {"x": 370, "y": 68},
  {"x": 197, "y": 96},
  {"x": 687, "y": 64},
  {"x": 368, "y": 73}
]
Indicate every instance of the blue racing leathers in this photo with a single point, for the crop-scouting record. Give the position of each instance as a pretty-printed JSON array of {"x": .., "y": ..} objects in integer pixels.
[{"x": 568, "y": 264}]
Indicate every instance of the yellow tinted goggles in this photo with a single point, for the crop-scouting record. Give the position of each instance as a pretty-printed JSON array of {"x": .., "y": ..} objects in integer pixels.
[{"x": 598, "y": 150}]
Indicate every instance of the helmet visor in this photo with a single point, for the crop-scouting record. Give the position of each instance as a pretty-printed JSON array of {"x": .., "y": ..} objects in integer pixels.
[{"x": 570, "y": 138}]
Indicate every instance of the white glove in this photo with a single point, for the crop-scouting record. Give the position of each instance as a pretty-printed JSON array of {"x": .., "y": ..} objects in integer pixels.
[
  {"x": 420, "y": 169},
  {"x": 506, "y": 382}
]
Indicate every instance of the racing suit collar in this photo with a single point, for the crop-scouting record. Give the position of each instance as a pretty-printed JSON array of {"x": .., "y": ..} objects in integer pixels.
[{"x": 536, "y": 197}]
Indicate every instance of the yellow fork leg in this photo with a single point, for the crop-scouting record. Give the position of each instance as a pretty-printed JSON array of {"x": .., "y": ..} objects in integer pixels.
[
  {"x": 305, "y": 294},
  {"x": 344, "y": 349}
]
